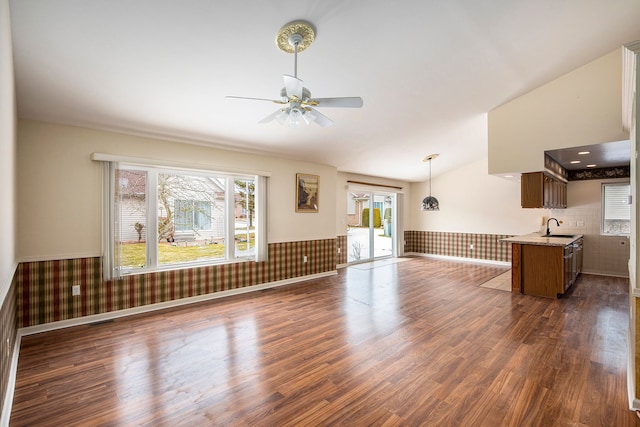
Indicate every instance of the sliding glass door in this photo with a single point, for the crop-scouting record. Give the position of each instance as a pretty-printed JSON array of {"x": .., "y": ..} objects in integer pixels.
[{"x": 370, "y": 220}]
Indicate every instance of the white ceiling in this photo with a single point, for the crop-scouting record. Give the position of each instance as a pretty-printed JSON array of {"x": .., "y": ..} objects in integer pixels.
[{"x": 428, "y": 71}]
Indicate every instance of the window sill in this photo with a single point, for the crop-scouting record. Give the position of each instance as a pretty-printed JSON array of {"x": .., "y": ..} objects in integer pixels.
[{"x": 174, "y": 267}]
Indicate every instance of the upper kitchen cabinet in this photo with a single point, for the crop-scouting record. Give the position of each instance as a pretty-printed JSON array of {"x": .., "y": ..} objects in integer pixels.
[{"x": 540, "y": 190}]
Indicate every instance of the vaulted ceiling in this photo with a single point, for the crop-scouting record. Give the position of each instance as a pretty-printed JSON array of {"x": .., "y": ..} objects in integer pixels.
[{"x": 428, "y": 71}]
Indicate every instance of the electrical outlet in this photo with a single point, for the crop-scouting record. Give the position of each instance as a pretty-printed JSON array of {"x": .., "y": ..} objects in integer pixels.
[
  {"x": 75, "y": 290},
  {"x": 305, "y": 259},
  {"x": 579, "y": 223},
  {"x": 471, "y": 246},
  {"x": 338, "y": 250}
]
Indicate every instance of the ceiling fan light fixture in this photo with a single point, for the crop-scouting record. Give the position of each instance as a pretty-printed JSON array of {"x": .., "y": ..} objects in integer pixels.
[
  {"x": 308, "y": 117},
  {"x": 311, "y": 115},
  {"x": 295, "y": 98},
  {"x": 295, "y": 114}
]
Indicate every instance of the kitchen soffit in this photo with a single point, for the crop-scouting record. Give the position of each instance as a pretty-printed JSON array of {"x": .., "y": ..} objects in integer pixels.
[{"x": 604, "y": 155}]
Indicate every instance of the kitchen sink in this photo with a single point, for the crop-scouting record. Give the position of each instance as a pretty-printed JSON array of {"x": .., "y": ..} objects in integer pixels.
[{"x": 564, "y": 236}]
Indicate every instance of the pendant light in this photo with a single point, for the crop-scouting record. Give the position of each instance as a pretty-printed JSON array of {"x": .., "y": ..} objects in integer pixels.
[{"x": 430, "y": 203}]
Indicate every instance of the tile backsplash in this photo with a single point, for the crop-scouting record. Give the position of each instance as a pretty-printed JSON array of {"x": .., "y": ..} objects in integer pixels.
[{"x": 607, "y": 255}]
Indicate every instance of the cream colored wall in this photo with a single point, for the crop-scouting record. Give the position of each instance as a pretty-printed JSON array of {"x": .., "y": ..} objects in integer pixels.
[
  {"x": 7, "y": 155},
  {"x": 342, "y": 190},
  {"x": 472, "y": 201},
  {"x": 608, "y": 255},
  {"x": 60, "y": 188},
  {"x": 583, "y": 107}
]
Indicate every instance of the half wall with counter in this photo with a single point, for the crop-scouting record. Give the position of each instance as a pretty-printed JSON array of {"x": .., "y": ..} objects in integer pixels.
[{"x": 544, "y": 266}]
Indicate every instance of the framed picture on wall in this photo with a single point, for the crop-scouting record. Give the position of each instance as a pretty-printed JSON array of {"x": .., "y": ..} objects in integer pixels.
[{"x": 307, "y": 192}]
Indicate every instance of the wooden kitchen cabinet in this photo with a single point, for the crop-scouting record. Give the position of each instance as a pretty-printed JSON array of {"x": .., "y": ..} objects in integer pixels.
[
  {"x": 544, "y": 266},
  {"x": 545, "y": 271},
  {"x": 540, "y": 190}
]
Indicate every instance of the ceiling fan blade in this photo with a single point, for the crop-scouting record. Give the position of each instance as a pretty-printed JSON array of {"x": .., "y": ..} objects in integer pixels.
[
  {"x": 344, "y": 102},
  {"x": 321, "y": 119},
  {"x": 293, "y": 86},
  {"x": 256, "y": 99},
  {"x": 270, "y": 117}
]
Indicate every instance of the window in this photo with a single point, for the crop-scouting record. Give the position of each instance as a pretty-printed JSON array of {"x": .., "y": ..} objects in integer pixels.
[
  {"x": 163, "y": 218},
  {"x": 616, "y": 209},
  {"x": 192, "y": 215}
]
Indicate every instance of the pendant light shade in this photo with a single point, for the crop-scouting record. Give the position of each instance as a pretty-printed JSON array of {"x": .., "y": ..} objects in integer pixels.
[{"x": 430, "y": 203}]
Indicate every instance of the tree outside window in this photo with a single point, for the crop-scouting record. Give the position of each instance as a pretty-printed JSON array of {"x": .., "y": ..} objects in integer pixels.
[{"x": 191, "y": 213}]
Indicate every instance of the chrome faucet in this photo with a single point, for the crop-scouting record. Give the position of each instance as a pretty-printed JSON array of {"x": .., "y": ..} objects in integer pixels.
[{"x": 549, "y": 231}]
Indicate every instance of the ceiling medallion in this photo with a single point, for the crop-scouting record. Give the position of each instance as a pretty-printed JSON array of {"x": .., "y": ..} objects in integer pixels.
[{"x": 302, "y": 28}]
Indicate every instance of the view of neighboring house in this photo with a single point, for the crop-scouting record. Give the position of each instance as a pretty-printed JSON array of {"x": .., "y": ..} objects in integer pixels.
[
  {"x": 357, "y": 209},
  {"x": 189, "y": 209}
]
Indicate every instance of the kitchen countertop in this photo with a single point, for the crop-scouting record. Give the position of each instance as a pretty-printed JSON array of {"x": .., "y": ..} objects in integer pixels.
[{"x": 538, "y": 239}]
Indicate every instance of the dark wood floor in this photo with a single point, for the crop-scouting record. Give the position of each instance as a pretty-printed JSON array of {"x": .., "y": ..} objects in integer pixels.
[{"x": 412, "y": 343}]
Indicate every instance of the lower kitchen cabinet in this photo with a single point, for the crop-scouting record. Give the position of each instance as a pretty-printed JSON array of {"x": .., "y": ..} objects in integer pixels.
[{"x": 545, "y": 270}]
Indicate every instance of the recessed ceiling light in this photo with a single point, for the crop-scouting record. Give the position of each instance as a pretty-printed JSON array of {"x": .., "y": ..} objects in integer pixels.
[
  {"x": 591, "y": 166},
  {"x": 575, "y": 162},
  {"x": 582, "y": 153},
  {"x": 508, "y": 176}
]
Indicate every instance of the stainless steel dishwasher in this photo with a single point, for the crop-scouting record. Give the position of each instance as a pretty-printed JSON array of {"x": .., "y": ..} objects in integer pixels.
[
  {"x": 577, "y": 258},
  {"x": 568, "y": 266}
]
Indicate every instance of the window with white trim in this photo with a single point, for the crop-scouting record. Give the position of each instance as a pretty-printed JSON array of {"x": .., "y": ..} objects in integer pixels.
[
  {"x": 616, "y": 209},
  {"x": 164, "y": 218}
]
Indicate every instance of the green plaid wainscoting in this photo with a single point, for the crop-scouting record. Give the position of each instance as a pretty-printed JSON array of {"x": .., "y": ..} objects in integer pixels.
[
  {"x": 7, "y": 338},
  {"x": 44, "y": 287},
  {"x": 341, "y": 243},
  {"x": 485, "y": 246}
]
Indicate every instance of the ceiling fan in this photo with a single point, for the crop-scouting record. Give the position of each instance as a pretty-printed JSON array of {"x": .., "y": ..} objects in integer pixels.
[{"x": 297, "y": 103}]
